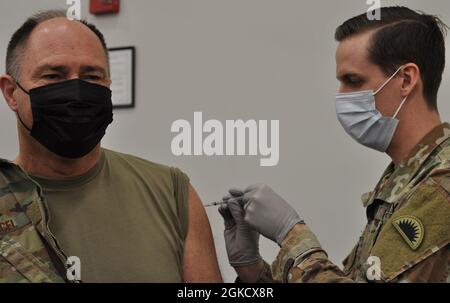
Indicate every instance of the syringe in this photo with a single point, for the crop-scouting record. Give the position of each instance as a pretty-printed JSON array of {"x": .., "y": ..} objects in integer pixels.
[{"x": 215, "y": 204}]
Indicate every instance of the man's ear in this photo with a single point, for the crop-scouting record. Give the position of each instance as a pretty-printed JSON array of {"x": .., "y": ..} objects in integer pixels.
[
  {"x": 411, "y": 77},
  {"x": 8, "y": 87}
]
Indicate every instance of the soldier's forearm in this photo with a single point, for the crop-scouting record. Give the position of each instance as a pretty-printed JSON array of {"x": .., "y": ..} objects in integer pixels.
[
  {"x": 256, "y": 273},
  {"x": 302, "y": 259},
  {"x": 297, "y": 229},
  {"x": 316, "y": 268}
]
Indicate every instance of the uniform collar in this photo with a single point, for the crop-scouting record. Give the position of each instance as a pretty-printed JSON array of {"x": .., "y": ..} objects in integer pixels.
[
  {"x": 18, "y": 183},
  {"x": 394, "y": 181}
]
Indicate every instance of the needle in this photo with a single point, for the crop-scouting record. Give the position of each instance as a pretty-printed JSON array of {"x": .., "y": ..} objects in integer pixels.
[{"x": 215, "y": 204}]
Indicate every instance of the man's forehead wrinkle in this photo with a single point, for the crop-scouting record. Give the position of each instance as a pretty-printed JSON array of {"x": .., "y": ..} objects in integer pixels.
[
  {"x": 63, "y": 40},
  {"x": 62, "y": 27}
]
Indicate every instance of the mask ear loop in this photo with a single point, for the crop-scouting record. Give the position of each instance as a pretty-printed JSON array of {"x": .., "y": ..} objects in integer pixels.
[
  {"x": 20, "y": 86},
  {"x": 400, "y": 107},
  {"x": 386, "y": 83},
  {"x": 20, "y": 119},
  {"x": 388, "y": 80},
  {"x": 17, "y": 114}
]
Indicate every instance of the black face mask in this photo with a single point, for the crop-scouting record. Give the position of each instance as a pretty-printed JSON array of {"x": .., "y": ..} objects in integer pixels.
[{"x": 70, "y": 118}]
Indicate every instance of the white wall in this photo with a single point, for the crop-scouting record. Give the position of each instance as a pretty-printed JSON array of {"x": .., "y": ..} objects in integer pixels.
[{"x": 241, "y": 59}]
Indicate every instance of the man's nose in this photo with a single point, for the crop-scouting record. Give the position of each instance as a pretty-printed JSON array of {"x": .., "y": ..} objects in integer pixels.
[
  {"x": 73, "y": 76},
  {"x": 343, "y": 89}
]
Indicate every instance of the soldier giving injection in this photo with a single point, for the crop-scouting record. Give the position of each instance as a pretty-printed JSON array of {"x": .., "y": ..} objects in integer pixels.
[{"x": 389, "y": 71}]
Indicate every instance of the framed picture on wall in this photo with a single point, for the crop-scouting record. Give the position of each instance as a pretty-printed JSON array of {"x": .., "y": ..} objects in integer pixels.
[{"x": 122, "y": 62}]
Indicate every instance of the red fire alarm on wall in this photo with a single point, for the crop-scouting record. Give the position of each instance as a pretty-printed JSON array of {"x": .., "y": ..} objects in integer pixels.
[{"x": 101, "y": 7}]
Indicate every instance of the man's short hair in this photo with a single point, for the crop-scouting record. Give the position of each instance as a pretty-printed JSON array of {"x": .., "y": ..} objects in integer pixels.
[
  {"x": 20, "y": 37},
  {"x": 404, "y": 36}
]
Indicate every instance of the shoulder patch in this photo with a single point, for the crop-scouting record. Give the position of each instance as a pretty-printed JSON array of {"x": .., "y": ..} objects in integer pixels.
[
  {"x": 415, "y": 231},
  {"x": 411, "y": 229}
]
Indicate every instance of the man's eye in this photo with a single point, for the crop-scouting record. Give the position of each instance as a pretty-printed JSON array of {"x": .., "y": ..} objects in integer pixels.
[
  {"x": 51, "y": 77},
  {"x": 93, "y": 78},
  {"x": 354, "y": 82}
]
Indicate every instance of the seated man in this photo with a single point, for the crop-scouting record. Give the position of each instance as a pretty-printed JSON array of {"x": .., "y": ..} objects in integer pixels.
[{"x": 125, "y": 218}]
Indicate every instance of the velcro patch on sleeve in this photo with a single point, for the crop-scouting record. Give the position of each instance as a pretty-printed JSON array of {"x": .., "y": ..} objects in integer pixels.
[
  {"x": 414, "y": 232},
  {"x": 411, "y": 229}
]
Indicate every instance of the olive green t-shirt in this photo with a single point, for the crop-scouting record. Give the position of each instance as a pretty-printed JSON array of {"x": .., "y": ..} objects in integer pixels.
[{"x": 126, "y": 219}]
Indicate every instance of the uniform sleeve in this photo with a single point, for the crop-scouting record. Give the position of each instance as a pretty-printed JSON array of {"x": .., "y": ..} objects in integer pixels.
[
  {"x": 303, "y": 260},
  {"x": 413, "y": 244},
  {"x": 435, "y": 268}
]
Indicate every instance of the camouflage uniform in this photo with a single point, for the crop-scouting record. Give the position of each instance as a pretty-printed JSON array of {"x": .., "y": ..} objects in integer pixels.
[
  {"x": 28, "y": 250},
  {"x": 408, "y": 227}
]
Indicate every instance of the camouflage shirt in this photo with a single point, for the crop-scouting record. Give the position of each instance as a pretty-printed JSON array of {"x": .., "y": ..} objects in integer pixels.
[
  {"x": 407, "y": 235},
  {"x": 28, "y": 250}
]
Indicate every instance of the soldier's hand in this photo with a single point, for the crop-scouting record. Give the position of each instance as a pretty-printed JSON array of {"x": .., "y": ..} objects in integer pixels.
[
  {"x": 266, "y": 211},
  {"x": 242, "y": 242}
]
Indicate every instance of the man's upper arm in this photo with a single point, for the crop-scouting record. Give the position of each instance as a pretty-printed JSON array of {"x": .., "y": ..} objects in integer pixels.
[{"x": 200, "y": 259}]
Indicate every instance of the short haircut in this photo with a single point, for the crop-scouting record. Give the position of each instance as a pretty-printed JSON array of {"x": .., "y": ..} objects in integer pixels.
[
  {"x": 20, "y": 37},
  {"x": 404, "y": 36}
]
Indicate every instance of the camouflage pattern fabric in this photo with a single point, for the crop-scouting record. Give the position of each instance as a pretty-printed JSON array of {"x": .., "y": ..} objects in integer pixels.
[
  {"x": 28, "y": 251},
  {"x": 408, "y": 229}
]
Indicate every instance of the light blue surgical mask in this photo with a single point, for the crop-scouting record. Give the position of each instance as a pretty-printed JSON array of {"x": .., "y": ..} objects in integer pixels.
[{"x": 360, "y": 118}]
